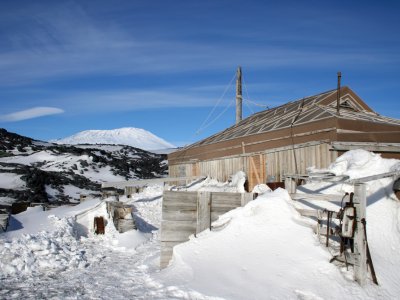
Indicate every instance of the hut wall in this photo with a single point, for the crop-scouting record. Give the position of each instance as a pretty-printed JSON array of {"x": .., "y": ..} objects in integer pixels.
[
  {"x": 221, "y": 169},
  {"x": 270, "y": 165},
  {"x": 282, "y": 161}
]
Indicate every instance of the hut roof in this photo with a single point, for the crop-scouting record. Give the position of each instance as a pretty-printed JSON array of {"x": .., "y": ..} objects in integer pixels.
[
  {"x": 311, "y": 119},
  {"x": 306, "y": 110}
]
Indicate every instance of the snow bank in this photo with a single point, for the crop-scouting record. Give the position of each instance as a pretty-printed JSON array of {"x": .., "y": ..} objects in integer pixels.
[
  {"x": 45, "y": 251},
  {"x": 264, "y": 251},
  {"x": 54, "y": 241},
  {"x": 361, "y": 163},
  {"x": 234, "y": 185}
]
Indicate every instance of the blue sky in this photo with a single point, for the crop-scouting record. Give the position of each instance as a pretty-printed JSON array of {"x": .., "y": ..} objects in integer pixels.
[{"x": 68, "y": 66}]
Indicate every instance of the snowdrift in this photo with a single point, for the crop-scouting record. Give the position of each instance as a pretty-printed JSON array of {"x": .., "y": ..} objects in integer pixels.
[
  {"x": 48, "y": 242},
  {"x": 265, "y": 251}
]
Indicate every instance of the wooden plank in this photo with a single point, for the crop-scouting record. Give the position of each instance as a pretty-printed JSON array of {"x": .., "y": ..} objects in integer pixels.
[
  {"x": 221, "y": 197},
  {"x": 246, "y": 198},
  {"x": 222, "y": 209},
  {"x": 360, "y": 246},
  {"x": 143, "y": 182},
  {"x": 315, "y": 213},
  {"x": 254, "y": 174},
  {"x": 308, "y": 212},
  {"x": 179, "y": 200},
  {"x": 375, "y": 177},
  {"x": 166, "y": 253},
  {"x": 203, "y": 211},
  {"x": 179, "y": 206},
  {"x": 215, "y": 215},
  {"x": 226, "y": 203},
  {"x": 179, "y": 215},
  {"x": 290, "y": 185},
  {"x": 187, "y": 213},
  {"x": 187, "y": 203},
  {"x": 374, "y": 147},
  {"x": 177, "y": 231},
  {"x": 180, "y": 195},
  {"x": 317, "y": 197}
]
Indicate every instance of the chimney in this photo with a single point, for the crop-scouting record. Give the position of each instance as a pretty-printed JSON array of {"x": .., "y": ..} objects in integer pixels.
[
  {"x": 339, "y": 76},
  {"x": 239, "y": 95}
]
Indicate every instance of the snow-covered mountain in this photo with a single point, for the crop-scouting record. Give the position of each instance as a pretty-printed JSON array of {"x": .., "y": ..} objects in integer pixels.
[
  {"x": 34, "y": 171},
  {"x": 130, "y": 136}
]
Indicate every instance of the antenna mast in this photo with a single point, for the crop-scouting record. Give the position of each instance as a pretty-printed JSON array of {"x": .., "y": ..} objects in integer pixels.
[
  {"x": 239, "y": 95},
  {"x": 339, "y": 76}
]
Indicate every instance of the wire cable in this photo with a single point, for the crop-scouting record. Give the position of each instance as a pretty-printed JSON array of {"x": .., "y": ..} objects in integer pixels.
[
  {"x": 216, "y": 118},
  {"x": 247, "y": 93},
  {"x": 203, "y": 126}
]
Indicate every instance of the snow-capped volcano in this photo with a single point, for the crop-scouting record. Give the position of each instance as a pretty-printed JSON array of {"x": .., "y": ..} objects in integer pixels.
[{"x": 135, "y": 137}]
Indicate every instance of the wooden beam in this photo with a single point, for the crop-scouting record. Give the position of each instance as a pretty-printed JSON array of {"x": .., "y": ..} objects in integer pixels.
[
  {"x": 315, "y": 213},
  {"x": 360, "y": 245},
  {"x": 317, "y": 197},
  {"x": 375, "y": 147},
  {"x": 203, "y": 211},
  {"x": 143, "y": 182},
  {"x": 375, "y": 177}
]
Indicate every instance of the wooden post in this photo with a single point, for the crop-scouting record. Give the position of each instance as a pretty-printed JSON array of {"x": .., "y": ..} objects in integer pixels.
[
  {"x": 360, "y": 246},
  {"x": 246, "y": 198},
  {"x": 239, "y": 95},
  {"x": 203, "y": 211},
  {"x": 339, "y": 76},
  {"x": 290, "y": 185}
]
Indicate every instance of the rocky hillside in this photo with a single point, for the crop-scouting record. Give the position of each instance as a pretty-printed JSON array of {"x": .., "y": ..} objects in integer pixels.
[{"x": 35, "y": 171}]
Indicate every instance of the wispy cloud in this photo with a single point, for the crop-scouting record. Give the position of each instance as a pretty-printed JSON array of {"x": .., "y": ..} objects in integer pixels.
[
  {"x": 67, "y": 41},
  {"x": 35, "y": 112}
]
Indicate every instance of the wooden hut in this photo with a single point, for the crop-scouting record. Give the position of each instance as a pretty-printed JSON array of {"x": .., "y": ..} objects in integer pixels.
[{"x": 312, "y": 131}]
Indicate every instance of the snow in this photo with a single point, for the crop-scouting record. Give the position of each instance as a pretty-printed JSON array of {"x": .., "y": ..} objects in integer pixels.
[
  {"x": 41, "y": 156},
  {"x": 264, "y": 250},
  {"x": 49, "y": 252},
  {"x": 135, "y": 137},
  {"x": 11, "y": 181},
  {"x": 361, "y": 163},
  {"x": 51, "y": 161}
]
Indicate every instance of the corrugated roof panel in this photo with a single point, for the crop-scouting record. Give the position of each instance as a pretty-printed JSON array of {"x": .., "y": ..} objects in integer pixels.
[{"x": 309, "y": 109}]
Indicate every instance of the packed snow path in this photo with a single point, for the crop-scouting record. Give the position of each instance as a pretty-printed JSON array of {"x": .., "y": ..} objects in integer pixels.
[
  {"x": 111, "y": 270},
  {"x": 111, "y": 274}
]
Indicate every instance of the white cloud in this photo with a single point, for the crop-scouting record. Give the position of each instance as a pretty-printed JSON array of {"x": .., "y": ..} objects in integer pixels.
[
  {"x": 66, "y": 41},
  {"x": 31, "y": 113}
]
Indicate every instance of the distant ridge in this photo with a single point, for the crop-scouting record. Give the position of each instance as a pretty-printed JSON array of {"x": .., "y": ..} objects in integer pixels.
[{"x": 135, "y": 137}]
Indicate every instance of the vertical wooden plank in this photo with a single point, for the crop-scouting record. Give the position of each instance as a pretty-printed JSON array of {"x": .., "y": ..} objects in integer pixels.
[
  {"x": 360, "y": 246},
  {"x": 246, "y": 198},
  {"x": 290, "y": 185},
  {"x": 203, "y": 211}
]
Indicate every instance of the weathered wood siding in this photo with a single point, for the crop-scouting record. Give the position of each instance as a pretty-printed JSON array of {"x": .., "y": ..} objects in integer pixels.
[
  {"x": 256, "y": 170},
  {"x": 282, "y": 161},
  {"x": 260, "y": 167},
  {"x": 219, "y": 169},
  {"x": 187, "y": 213}
]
